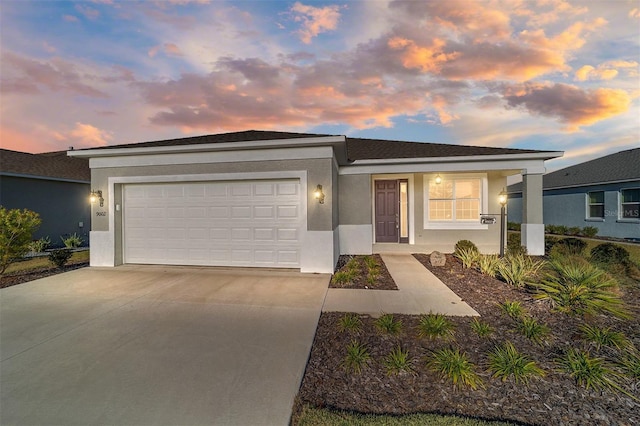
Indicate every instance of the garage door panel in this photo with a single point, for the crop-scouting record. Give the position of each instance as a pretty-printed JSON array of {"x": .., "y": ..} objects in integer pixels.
[{"x": 249, "y": 223}]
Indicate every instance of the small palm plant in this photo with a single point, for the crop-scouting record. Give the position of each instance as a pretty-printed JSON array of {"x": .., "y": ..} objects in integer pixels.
[
  {"x": 505, "y": 361},
  {"x": 357, "y": 357},
  {"x": 468, "y": 256},
  {"x": 603, "y": 336},
  {"x": 455, "y": 366},
  {"x": 433, "y": 326},
  {"x": 489, "y": 264},
  {"x": 518, "y": 270},
  {"x": 398, "y": 361},
  {"x": 388, "y": 325},
  {"x": 531, "y": 328},
  {"x": 481, "y": 328},
  {"x": 350, "y": 322}
]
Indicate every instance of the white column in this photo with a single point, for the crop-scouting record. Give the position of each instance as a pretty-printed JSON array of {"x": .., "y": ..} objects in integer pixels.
[{"x": 532, "y": 214}]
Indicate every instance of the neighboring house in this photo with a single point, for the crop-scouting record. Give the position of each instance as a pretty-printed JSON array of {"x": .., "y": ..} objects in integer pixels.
[
  {"x": 292, "y": 200},
  {"x": 604, "y": 193},
  {"x": 53, "y": 185}
]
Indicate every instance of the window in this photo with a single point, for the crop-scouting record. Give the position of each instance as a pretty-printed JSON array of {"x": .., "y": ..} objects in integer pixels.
[
  {"x": 595, "y": 205},
  {"x": 454, "y": 200},
  {"x": 630, "y": 203}
]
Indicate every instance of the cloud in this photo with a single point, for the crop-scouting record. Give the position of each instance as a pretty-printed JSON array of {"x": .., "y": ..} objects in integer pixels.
[
  {"x": 169, "y": 49},
  {"x": 570, "y": 104},
  {"x": 315, "y": 20},
  {"x": 88, "y": 135},
  {"x": 70, "y": 18},
  {"x": 606, "y": 71},
  {"x": 634, "y": 13},
  {"x": 88, "y": 12}
]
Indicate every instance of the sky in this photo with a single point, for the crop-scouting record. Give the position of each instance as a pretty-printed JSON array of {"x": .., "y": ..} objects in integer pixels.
[{"x": 552, "y": 75}]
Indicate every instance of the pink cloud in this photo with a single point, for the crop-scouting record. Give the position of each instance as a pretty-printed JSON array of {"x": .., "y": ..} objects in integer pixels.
[
  {"x": 86, "y": 135},
  {"x": 88, "y": 12},
  {"x": 315, "y": 20},
  {"x": 70, "y": 18}
]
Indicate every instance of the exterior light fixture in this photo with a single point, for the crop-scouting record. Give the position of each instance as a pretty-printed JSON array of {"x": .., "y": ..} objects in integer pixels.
[
  {"x": 502, "y": 199},
  {"x": 318, "y": 194},
  {"x": 96, "y": 196},
  {"x": 438, "y": 180}
]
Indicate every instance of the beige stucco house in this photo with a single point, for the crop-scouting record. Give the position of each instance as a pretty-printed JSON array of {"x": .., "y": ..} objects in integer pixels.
[{"x": 293, "y": 200}]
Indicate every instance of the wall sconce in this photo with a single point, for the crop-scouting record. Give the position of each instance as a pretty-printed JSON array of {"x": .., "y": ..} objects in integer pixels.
[
  {"x": 502, "y": 198},
  {"x": 438, "y": 180},
  {"x": 319, "y": 194},
  {"x": 96, "y": 196}
]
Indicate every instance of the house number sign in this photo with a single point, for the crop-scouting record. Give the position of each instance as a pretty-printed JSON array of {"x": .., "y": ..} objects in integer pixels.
[{"x": 101, "y": 213}]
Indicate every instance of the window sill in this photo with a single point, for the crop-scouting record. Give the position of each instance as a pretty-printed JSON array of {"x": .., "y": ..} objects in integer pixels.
[
  {"x": 454, "y": 226},
  {"x": 628, "y": 220},
  {"x": 594, "y": 219}
]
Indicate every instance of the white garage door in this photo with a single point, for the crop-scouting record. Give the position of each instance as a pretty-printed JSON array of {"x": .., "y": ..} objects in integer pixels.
[{"x": 233, "y": 223}]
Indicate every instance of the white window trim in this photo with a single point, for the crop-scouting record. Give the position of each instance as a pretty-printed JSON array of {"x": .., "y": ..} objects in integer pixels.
[
  {"x": 587, "y": 215},
  {"x": 484, "y": 200},
  {"x": 620, "y": 218}
]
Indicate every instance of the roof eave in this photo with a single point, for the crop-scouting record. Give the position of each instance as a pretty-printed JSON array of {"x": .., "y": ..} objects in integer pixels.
[
  {"x": 221, "y": 146},
  {"x": 542, "y": 155}
]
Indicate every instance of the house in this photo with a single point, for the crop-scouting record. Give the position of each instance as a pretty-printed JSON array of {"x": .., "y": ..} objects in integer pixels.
[
  {"x": 604, "y": 193},
  {"x": 53, "y": 185},
  {"x": 294, "y": 200}
]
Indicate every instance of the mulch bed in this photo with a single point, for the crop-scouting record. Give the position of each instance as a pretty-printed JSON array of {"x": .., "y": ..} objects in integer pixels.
[
  {"x": 382, "y": 282},
  {"x": 552, "y": 400},
  {"x": 9, "y": 280}
]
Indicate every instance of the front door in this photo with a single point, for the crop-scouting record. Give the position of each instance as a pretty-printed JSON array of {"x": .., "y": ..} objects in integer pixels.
[{"x": 386, "y": 208}]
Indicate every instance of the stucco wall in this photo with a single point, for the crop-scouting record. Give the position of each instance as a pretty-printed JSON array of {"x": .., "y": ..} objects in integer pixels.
[
  {"x": 355, "y": 199},
  {"x": 62, "y": 206}
]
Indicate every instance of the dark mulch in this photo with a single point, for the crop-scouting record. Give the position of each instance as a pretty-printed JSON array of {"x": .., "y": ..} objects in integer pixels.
[
  {"x": 382, "y": 282},
  {"x": 553, "y": 400},
  {"x": 23, "y": 277}
]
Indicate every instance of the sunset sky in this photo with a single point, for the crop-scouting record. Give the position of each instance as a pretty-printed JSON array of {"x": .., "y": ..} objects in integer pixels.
[{"x": 548, "y": 74}]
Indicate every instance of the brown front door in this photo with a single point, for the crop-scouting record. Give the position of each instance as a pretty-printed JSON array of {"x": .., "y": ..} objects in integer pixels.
[{"x": 386, "y": 208}]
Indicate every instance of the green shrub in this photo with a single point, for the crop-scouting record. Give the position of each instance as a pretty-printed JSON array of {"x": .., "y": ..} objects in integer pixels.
[
  {"x": 562, "y": 230},
  {"x": 467, "y": 256},
  {"x": 578, "y": 288},
  {"x": 514, "y": 226},
  {"x": 630, "y": 365},
  {"x": 350, "y": 322},
  {"x": 549, "y": 243},
  {"x": 60, "y": 257},
  {"x": 481, "y": 328},
  {"x": 455, "y": 366},
  {"x": 570, "y": 247},
  {"x": 398, "y": 361},
  {"x": 72, "y": 241},
  {"x": 371, "y": 262},
  {"x": 388, "y": 325},
  {"x": 603, "y": 336},
  {"x": 344, "y": 277},
  {"x": 589, "y": 231},
  {"x": 514, "y": 246},
  {"x": 357, "y": 357},
  {"x": 574, "y": 230},
  {"x": 532, "y": 329},
  {"x": 466, "y": 245},
  {"x": 489, "y": 264},
  {"x": 506, "y": 361},
  {"x": 38, "y": 246},
  {"x": 587, "y": 371},
  {"x": 433, "y": 326},
  {"x": 16, "y": 228},
  {"x": 517, "y": 270},
  {"x": 513, "y": 309},
  {"x": 608, "y": 254}
]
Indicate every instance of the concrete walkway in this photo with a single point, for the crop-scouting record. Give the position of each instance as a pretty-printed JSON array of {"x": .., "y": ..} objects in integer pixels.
[{"x": 419, "y": 292}]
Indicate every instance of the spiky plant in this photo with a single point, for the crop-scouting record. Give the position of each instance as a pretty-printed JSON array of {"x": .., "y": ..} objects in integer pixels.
[
  {"x": 505, "y": 361},
  {"x": 357, "y": 357},
  {"x": 603, "y": 336},
  {"x": 489, "y": 264},
  {"x": 398, "y": 361},
  {"x": 468, "y": 256},
  {"x": 350, "y": 322},
  {"x": 513, "y": 309},
  {"x": 388, "y": 325},
  {"x": 433, "y": 326},
  {"x": 454, "y": 366},
  {"x": 481, "y": 328},
  {"x": 531, "y": 328},
  {"x": 518, "y": 270}
]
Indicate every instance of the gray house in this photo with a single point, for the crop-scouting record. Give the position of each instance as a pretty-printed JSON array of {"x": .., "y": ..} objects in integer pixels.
[
  {"x": 294, "y": 200},
  {"x": 604, "y": 193},
  {"x": 52, "y": 184}
]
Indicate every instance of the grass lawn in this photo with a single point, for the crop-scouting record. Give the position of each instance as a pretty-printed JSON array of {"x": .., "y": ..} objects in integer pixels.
[
  {"x": 43, "y": 262},
  {"x": 324, "y": 417}
]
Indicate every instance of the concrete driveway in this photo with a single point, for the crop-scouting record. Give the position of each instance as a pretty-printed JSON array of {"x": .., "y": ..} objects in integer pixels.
[{"x": 145, "y": 345}]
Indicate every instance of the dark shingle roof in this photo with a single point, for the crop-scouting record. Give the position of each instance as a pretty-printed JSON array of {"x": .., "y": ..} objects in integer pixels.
[
  {"x": 618, "y": 167},
  {"x": 55, "y": 165},
  {"x": 357, "y": 148}
]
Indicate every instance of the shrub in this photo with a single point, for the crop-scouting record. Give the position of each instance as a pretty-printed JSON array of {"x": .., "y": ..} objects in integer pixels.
[
  {"x": 506, "y": 361},
  {"x": 455, "y": 366},
  {"x": 466, "y": 245},
  {"x": 357, "y": 357},
  {"x": 579, "y": 288},
  {"x": 561, "y": 230},
  {"x": 16, "y": 228},
  {"x": 38, "y": 246},
  {"x": 371, "y": 262},
  {"x": 570, "y": 247},
  {"x": 398, "y": 361},
  {"x": 350, "y": 322},
  {"x": 60, "y": 257},
  {"x": 589, "y": 231},
  {"x": 549, "y": 243},
  {"x": 517, "y": 270},
  {"x": 489, "y": 264},
  {"x": 630, "y": 365},
  {"x": 387, "y": 324},
  {"x": 433, "y": 326},
  {"x": 72, "y": 241},
  {"x": 574, "y": 230},
  {"x": 343, "y": 277},
  {"x": 513, "y": 226},
  {"x": 467, "y": 256},
  {"x": 587, "y": 371},
  {"x": 481, "y": 328},
  {"x": 532, "y": 329},
  {"x": 513, "y": 309},
  {"x": 600, "y": 337},
  {"x": 608, "y": 254},
  {"x": 514, "y": 246}
]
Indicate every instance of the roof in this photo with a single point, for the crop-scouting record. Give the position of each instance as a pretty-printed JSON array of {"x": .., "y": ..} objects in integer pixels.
[
  {"x": 56, "y": 165},
  {"x": 619, "y": 167},
  {"x": 356, "y": 148}
]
